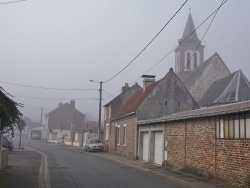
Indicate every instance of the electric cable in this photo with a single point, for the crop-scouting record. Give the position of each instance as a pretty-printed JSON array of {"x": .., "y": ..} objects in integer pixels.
[
  {"x": 12, "y": 2},
  {"x": 146, "y": 45},
  {"x": 48, "y": 88}
]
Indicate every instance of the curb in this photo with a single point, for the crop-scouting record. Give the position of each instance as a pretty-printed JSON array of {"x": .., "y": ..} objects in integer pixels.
[{"x": 43, "y": 179}]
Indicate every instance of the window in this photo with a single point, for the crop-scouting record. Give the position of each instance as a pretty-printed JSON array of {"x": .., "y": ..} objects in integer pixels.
[
  {"x": 177, "y": 68},
  {"x": 188, "y": 60},
  {"x": 107, "y": 132},
  {"x": 107, "y": 112},
  {"x": 124, "y": 135},
  {"x": 195, "y": 60},
  {"x": 118, "y": 134},
  {"x": 233, "y": 126}
]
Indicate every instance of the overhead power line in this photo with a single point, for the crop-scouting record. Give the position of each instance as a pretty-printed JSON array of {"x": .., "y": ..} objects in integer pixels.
[
  {"x": 12, "y": 2},
  {"x": 147, "y": 44},
  {"x": 55, "y": 99},
  {"x": 158, "y": 62},
  {"x": 48, "y": 88}
]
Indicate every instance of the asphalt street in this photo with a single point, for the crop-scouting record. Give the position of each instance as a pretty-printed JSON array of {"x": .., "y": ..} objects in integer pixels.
[{"x": 69, "y": 168}]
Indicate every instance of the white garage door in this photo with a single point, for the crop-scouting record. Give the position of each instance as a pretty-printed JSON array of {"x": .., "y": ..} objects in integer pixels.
[
  {"x": 145, "y": 146},
  {"x": 158, "y": 148}
]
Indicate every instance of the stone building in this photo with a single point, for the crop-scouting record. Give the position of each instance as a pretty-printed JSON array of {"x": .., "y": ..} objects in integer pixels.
[
  {"x": 199, "y": 76},
  {"x": 166, "y": 96}
]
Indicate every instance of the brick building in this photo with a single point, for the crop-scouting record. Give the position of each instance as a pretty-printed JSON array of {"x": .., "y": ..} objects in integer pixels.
[
  {"x": 64, "y": 120},
  {"x": 213, "y": 142},
  {"x": 113, "y": 106}
]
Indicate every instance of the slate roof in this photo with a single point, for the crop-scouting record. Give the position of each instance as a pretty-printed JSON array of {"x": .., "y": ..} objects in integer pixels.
[
  {"x": 203, "y": 112},
  {"x": 189, "y": 28},
  {"x": 120, "y": 95},
  {"x": 190, "y": 78},
  {"x": 232, "y": 88},
  {"x": 134, "y": 102}
]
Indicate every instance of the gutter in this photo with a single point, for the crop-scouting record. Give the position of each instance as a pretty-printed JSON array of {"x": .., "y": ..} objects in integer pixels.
[
  {"x": 122, "y": 116},
  {"x": 191, "y": 116}
]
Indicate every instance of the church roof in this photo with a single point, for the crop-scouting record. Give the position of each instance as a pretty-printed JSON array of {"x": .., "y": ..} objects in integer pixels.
[
  {"x": 189, "y": 30},
  {"x": 232, "y": 88},
  {"x": 190, "y": 78}
]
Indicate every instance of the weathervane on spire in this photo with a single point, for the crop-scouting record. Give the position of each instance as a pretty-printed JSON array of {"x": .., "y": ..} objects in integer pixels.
[{"x": 189, "y": 9}]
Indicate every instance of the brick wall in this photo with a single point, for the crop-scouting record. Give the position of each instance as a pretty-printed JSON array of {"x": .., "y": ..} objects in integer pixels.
[
  {"x": 233, "y": 164},
  {"x": 175, "y": 144},
  {"x": 129, "y": 149},
  {"x": 190, "y": 145},
  {"x": 200, "y": 146},
  {"x": 5, "y": 157}
]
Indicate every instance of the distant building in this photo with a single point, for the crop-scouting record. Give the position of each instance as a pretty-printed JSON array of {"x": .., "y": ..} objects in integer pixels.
[{"x": 64, "y": 120}]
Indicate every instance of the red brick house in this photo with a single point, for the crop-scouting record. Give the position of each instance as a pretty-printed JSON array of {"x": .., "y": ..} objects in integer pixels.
[
  {"x": 113, "y": 106},
  {"x": 213, "y": 142},
  {"x": 64, "y": 120}
]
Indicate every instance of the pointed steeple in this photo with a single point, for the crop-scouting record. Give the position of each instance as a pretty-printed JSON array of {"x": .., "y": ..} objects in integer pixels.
[
  {"x": 190, "y": 53},
  {"x": 189, "y": 29}
]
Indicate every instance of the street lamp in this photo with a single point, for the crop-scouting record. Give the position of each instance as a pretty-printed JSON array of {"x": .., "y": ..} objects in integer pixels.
[{"x": 100, "y": 108}]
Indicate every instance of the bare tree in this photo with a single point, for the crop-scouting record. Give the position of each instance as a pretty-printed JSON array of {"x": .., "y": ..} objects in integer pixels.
[{"x": 21, "y": 124}]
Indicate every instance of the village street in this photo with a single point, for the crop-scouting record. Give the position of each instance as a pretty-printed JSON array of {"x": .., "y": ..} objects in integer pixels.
[{"x": 70, "y": 167}]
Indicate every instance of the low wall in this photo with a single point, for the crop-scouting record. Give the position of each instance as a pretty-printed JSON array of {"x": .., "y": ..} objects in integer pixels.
[{"x": 5, "y": 157}]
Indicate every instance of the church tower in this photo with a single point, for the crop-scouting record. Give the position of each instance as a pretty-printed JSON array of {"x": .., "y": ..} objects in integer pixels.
[{"x": 186, "y": 58}]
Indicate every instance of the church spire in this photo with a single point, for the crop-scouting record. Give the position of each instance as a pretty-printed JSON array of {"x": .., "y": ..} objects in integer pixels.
[
  {"x": 189, "y": 28},
  {"x": 190, "y": 53}
]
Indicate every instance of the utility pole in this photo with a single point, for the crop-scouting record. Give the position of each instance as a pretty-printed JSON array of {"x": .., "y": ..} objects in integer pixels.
[
  {"x": 100, "y": 108},
  {"x": 41, "y": 118},
  {"x": 100, "y": 112}
]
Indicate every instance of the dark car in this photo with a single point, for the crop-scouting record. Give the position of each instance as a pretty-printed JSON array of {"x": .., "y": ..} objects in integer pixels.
[
  {"x": 94, "y": 145},
  {"x": 7, "y": 143}
]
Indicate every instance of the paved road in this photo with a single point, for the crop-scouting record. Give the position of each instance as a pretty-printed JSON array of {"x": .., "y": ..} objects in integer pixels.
[{"x": 69, "y": 168}]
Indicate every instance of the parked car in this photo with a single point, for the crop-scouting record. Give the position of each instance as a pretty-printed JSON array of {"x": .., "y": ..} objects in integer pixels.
[
  {"x": 7, "y": 143},
  {"x": 94, "y": 145},
  {"x": 36, "y": 136}
]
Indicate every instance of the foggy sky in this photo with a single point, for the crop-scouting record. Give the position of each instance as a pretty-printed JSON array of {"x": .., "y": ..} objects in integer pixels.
[{"x": 65, "y": 43}]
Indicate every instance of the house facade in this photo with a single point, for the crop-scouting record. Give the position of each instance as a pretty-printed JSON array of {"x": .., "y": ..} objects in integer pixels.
[
  {"x": 113, "y": 106},
  {"x": 64, "y": 121},
  {"x": 163, "y": 97},
  {"x": 213, "y": 142}
]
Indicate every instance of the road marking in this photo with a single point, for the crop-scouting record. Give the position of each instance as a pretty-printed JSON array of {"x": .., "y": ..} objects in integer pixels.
[{"x": 44, "y": 181}]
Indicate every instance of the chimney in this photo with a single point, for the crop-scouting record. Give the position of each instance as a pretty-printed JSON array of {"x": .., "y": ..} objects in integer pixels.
[
  {"x": 148, "y": 80},
  {"x": 125, "y": 87},
  {"x": 72, "y": 103},
  {"x": 60, "y": 104}
]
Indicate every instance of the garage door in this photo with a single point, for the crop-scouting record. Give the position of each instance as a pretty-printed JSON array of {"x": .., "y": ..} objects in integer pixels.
[
  {"x": 145, "y": 146},
  {"x": 158, "y": 148}
]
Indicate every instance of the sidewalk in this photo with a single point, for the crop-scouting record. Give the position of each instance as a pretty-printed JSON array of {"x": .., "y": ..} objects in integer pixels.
[{"x": 23, "y": 169}]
